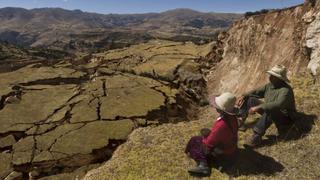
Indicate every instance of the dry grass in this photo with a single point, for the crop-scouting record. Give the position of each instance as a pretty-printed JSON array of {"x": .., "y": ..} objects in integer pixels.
[
  {"x": 154, "y": 48},
  {"x": 158, "y": 152}
]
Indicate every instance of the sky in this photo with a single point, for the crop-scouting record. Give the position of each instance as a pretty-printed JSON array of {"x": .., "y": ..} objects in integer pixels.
[{"x": 143, "y": 6}]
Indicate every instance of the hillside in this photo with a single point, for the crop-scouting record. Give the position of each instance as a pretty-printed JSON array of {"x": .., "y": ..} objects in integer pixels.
[
  {"x": 62, "y": 117},
  {"x": 15, "y": 57},
  {"x": 250, "y": 47},
  {"x": 37, "y": 27},
  {"x": 126, "y": 108},
  {"x": 164, "y": 148},
  {"x": 9, "y": 51}
]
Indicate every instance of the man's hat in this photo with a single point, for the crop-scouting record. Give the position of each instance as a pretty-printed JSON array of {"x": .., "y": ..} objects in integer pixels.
[{"x": 280, "y": 72}]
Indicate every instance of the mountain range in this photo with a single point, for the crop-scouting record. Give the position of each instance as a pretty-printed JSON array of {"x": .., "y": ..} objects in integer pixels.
[{"x": 63, "y": 29}]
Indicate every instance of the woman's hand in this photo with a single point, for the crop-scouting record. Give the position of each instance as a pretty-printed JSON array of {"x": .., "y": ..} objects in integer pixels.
[
  {"x": 205, "y": 132},
  {"x": 205, "y": 149}
]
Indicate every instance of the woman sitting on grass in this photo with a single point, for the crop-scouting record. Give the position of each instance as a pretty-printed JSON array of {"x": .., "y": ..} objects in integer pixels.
[{"x": 220, "y": 143}]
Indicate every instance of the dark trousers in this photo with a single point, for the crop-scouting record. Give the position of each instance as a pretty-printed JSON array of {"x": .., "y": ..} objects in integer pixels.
[
  {"x": 281, "y": 120},
  {"x": 195, "y": 149}
]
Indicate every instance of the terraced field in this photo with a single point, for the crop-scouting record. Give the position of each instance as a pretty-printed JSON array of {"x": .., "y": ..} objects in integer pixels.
[{"x": 63, "y": 119}]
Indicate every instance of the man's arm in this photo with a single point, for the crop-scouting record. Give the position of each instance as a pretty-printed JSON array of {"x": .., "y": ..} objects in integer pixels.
[
  {"x": 259, "y": 92},
  {"x": 282, "y": 101}
]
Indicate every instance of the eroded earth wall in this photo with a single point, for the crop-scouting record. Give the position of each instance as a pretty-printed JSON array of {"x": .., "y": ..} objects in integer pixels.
[{"x": 258, "y": 42}]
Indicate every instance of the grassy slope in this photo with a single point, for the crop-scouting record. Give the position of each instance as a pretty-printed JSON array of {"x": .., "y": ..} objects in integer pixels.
[{"x": 157, "y": 152}]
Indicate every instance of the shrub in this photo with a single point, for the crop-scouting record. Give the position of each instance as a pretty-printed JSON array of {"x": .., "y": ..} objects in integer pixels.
[{"x": 262, "y": 11}]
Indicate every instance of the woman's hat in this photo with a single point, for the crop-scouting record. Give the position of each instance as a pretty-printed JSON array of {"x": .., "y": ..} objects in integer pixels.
[
  {"x": 225, "y": 102},
  {"x": 280, "y": 72}
]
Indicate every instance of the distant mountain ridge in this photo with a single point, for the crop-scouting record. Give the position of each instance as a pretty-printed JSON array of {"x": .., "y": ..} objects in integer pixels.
[{"x": 48, "y": 26}]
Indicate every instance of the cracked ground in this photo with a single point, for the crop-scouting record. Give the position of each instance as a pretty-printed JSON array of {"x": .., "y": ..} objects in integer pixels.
[{"x": 70, "y": 118}]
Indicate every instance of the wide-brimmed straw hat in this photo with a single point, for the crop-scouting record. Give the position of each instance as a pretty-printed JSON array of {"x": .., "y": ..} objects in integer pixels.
[
  {"x": 225, "y": 102},
  {"x": 280, "y": 72}
]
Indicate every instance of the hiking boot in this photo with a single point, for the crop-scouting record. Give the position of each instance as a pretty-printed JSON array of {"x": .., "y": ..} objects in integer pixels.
[
  {"x": 255, "y": 140},
  {"x": 201, "y": 169}
]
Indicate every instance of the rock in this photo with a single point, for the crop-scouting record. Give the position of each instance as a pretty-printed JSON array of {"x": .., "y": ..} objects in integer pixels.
[
  {"x": 75, "y": 175},
  {"x": 130, "y": 102},
  {"x": 78, "y": 141},
  {"x": 90, "y": 112},
  {"x": 23, "y": 150},
  {"x": 46, "y": 141},
  {"x": 5, "y": 166},
  {"x": 313, "y": 39},
  {"x": 65, "y": 120},
  {"x": 40, "y": 129},
  {"x": 7, "y": 141},
  {"x": 106, "y": 71},
  {"x": 70, "y": 140},
  {"x": 40, "y": 105},
  {"x": 33, "y": 175},
  {"x": 28, "y": 74},
  {"x": 59, "y": 115},
  {"x": 308, "y": 17},
  {"x": 14, "y": 176},
  {"x": 12, "y": 100}
]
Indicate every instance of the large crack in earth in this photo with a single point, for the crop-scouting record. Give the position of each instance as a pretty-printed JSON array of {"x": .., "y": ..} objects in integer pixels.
[
  {"x": 99, "y": 110},
  {"x": 57, "y": 81},
  {"x": 70, "y": 163}
]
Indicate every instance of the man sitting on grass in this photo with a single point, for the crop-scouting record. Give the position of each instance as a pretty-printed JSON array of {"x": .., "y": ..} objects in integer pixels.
[{"x": 278, "y": 106}]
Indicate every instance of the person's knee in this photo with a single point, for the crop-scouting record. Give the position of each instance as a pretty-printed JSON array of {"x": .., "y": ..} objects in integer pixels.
[
  {"x": 258, "y": 130},
  {"x": 262, "y": 125}
]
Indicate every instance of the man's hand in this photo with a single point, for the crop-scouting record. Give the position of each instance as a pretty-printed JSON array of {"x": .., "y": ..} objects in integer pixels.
[
  {"x": 254, "y": 109},
  {"x": 240, "y": 101}
]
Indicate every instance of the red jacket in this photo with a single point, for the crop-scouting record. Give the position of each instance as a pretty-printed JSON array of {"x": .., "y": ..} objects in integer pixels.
[{"x": 222, "y": 135}]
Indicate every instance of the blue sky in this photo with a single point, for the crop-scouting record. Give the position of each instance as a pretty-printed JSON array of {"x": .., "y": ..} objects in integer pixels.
[{"x": 142, "y": 6}]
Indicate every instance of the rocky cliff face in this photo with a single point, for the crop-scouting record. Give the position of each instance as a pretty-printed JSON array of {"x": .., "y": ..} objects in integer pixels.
[
  {"x": 313, "y": 39},
  {"x": 259, "y": 42}
]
